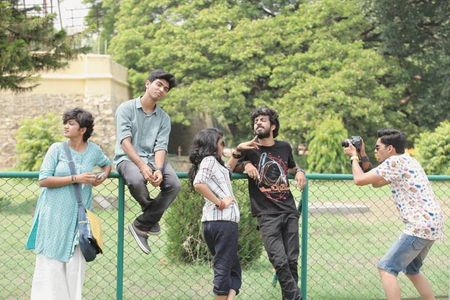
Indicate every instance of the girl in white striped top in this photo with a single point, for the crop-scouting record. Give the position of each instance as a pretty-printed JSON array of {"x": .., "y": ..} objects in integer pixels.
[{"x": 212, "y": 179}]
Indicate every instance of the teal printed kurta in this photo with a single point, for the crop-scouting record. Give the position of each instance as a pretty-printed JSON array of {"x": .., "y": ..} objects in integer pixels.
[{"x": 53, "y": 233}]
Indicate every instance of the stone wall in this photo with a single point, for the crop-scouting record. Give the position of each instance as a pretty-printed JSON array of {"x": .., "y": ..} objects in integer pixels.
[
  {"x": 93, "y": 82},
  {"x": 14, "y": 108}
]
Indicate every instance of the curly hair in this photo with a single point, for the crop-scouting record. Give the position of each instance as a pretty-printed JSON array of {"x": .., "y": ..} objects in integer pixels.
[
  {"x": 203, "y": 145},
  {"x": 83, "y": 118},
  {"x": 273, "y": 118}
]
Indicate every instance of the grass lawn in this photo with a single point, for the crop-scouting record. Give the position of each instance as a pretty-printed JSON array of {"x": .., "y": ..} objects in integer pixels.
[{"x": 343, "y": 250}]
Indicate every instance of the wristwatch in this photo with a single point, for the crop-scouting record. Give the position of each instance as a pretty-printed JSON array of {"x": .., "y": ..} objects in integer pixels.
[
  {"x": 364, "y": 159},
  {"x": 236, "y": 154},
  {"x": 300, "y": 170},
  {"x": 354, "y": 157}
]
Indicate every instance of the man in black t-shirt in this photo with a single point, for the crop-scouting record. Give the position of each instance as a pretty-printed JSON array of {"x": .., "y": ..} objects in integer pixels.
[{"x": 267, "y": 163}]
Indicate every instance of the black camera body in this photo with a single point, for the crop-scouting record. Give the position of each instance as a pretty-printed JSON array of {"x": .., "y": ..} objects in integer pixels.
[{"x": 355, "y": 140}]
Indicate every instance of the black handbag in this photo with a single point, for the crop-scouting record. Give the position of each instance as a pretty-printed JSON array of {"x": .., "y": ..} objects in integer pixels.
[{"x": 88, "y": 244}]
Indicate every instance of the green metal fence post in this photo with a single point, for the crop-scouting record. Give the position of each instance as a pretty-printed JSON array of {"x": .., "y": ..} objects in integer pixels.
[
  {"x": 120, "y": 238},
  {"x": 304, "y": 272}
]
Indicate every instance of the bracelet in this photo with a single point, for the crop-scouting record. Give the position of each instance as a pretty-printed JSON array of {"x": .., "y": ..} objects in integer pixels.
[
  {"x": 364, "y": 159},
  {"x": 298, "y": 170},
  {"x": 354, "y": 157},
  {"x": 236, "y": 155}
]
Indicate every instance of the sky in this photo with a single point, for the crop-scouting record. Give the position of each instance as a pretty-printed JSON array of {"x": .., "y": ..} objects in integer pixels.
[{"x": 72, "y": 12}]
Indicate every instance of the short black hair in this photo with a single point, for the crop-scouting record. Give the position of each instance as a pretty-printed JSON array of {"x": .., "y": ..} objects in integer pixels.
[
  {"x": 83, "y": 118},
  {"x": 161, "y": 74},
  {"x": 273, "y": 117},
  {"x": 394, "y": 137}
]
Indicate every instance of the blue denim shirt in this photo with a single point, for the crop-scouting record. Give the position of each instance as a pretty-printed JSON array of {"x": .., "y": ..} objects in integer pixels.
[{"x": 149, "y": 132}]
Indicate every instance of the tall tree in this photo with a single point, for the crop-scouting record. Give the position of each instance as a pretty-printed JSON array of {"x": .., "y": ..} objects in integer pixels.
[
  {"x": 101, "y": 19},
  {"x": 29, "y": 44},
  {"x": 306, "y": 59},
  {"x": 417, "y": 35}
]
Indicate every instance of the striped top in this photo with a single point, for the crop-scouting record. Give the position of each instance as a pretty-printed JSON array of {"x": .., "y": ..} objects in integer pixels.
[{"x": 217, "y": 178}]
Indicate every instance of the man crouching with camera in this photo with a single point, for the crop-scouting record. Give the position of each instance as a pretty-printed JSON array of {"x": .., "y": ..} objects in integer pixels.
[{"x": 416, "y": 203}]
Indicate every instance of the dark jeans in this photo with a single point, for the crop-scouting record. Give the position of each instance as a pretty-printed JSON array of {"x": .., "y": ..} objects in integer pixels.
[
  {"x": 222, "y": 240},
  {"x": 280, "y": 236},
  {"x": 152, "y": 209}
]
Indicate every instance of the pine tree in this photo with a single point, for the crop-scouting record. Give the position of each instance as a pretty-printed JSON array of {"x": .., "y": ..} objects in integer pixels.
[{"x": 29, "y": 43}]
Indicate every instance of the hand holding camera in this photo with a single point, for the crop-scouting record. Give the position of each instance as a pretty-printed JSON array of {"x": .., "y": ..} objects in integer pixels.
[
  {"x": 355, "y": 140},
  {"x": 353, "y": 146}
]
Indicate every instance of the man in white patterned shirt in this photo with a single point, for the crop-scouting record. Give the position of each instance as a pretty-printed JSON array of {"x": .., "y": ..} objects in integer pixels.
[{"x": 416, "y": 203}]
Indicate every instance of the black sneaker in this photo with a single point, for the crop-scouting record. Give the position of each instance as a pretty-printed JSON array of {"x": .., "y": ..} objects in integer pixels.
[
  {"x": 155, "y": 229},
  {"x": 141, "y": 238}
]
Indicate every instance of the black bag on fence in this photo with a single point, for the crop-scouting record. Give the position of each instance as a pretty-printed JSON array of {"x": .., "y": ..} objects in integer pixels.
[{"x": 88, "y": 244}]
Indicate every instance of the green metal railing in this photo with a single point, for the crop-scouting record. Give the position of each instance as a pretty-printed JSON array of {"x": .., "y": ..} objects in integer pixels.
[{"x": 338, "y": 248}]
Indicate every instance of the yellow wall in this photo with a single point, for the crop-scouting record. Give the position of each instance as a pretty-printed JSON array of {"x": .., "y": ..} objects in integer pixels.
[{"x": 93, "y": 82}]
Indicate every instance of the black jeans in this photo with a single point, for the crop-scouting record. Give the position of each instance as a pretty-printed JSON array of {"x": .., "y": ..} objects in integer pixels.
[
  {"x": 281, "y": 241},
  {"x": 152, "y": 209},
  {"x": 222, "y": 240}
]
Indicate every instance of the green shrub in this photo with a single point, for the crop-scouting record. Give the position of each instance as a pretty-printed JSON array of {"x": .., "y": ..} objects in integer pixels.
[
  {"x": 432, "y": 149},
  {"x": 325, "y": 153},
  {"x": 34, "y": 137},
  {"x": 5, "y": 201},
  {"x": 184, "y": 230},
  {"x": 250, "y": 244}
]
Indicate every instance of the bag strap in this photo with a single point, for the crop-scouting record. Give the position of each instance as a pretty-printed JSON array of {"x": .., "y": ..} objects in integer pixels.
[{"x": 77, "y": 186}]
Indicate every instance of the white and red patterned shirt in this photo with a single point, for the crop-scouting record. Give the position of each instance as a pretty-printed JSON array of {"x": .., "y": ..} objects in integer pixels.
[{"x": 416, "y": 202}]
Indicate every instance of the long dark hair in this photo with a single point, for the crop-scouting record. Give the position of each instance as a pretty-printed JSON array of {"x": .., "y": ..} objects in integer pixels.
[{"x": 203, "y": 145}]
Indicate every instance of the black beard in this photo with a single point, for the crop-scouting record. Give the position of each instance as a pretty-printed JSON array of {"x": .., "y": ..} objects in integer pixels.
[{"x": 263, "y": 134}]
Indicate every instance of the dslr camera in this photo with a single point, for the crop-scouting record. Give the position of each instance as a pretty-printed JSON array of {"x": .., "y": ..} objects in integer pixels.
[{"x": 355, "y": 140}]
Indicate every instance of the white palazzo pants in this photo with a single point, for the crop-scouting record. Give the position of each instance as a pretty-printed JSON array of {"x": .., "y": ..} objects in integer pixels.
[{"x": 56, "y": 280}]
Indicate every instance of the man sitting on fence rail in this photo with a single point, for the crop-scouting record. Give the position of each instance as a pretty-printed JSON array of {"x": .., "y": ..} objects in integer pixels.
[
  {"x": 416, "y": 204},
  {"x": 143, "y": 130},
  {"x": 272, "y": 202}
]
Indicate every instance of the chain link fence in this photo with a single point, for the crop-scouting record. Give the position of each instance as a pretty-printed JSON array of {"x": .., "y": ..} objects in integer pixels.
[{"x": 349, "y": 229}]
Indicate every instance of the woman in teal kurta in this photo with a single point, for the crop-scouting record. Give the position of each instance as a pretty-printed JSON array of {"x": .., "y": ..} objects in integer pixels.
[{"x": 53, "y": 235}]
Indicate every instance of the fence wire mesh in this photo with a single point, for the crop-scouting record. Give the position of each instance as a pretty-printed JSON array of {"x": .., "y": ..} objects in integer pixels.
[{"x": 349, "y": 227}]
